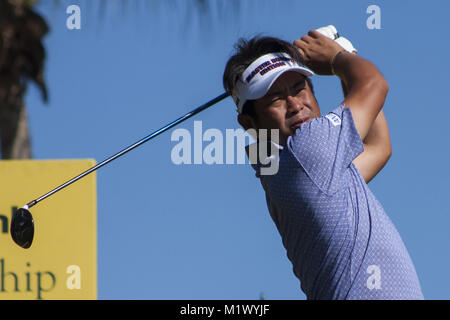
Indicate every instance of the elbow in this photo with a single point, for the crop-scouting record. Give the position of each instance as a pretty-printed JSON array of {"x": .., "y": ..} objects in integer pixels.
[
  {"x": 384, "y": 152},
  {"x": 377, "y": 89},
  {"x": 385, "y": 86},
  {"x": 374, "y": 88},
  {"x": 380, "y": 84},
  {"x": 388, "y": 152}
]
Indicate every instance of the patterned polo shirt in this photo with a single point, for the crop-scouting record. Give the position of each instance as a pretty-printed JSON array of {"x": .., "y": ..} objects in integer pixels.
[{"x": 340, "y": 241}]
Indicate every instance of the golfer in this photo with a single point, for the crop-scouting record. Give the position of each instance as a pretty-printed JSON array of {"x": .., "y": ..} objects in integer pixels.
[{"x": 340, "y": 241}]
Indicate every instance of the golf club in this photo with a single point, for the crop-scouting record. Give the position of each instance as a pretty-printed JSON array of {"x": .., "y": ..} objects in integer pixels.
[{"x": 22, "y": 223}]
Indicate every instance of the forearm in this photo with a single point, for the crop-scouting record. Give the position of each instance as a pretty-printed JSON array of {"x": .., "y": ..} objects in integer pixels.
[
  {"x": 364, "y": 87},
  {"x": 344, "y": 89},
  {"x": 379, "y": 131},
  {"x": 356, "y": 73},
  {"x": 377, "y": 146}
]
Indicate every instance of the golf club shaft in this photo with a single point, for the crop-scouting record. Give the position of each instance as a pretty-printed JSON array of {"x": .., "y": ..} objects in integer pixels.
[{"x": 135, "y": 145}]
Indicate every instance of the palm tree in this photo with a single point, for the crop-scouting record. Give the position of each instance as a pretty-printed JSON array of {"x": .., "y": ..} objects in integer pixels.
[{"x": 22, "y": 58}]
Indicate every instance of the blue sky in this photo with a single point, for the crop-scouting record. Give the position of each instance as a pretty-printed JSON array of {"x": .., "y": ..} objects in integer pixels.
[{"x": 203, "y": 231}]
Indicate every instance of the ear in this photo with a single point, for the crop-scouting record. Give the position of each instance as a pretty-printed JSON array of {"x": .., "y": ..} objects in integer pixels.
[{"x": 246, "y": 121}]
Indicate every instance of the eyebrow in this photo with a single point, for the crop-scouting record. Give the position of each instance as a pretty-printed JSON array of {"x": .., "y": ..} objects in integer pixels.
[{"x": 281, "y": 91}]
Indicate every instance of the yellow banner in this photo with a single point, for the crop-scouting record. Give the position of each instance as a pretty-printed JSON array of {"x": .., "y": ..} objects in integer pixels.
[{"x": 62, "y": 261}]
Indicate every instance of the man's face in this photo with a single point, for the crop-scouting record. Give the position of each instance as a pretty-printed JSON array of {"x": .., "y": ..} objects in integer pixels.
[{"x": 287, "y": 105}]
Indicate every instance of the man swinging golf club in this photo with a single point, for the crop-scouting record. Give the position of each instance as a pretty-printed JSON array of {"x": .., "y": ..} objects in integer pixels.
[{"x": 337, "y": 235}]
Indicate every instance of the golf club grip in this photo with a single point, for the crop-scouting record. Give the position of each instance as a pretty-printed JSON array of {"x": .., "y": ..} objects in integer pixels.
[{"x": 131, "y": 147}]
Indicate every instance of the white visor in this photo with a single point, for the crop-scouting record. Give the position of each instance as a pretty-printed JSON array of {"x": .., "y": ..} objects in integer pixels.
[{"x": 261, "y": 74}]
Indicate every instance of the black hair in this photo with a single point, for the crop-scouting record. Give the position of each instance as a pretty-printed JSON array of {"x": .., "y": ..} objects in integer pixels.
[{"x": 247, "y": 51}]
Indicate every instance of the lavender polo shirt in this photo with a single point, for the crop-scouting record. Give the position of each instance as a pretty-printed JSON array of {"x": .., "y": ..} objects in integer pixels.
[{"x": 340, "y": 241}]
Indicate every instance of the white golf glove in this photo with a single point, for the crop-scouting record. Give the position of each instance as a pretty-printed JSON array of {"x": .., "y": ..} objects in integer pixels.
[{"x": 331, "y": 32}]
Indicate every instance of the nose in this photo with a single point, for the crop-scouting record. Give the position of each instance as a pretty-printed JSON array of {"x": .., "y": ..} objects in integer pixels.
[{"x": 293, "y": 105}]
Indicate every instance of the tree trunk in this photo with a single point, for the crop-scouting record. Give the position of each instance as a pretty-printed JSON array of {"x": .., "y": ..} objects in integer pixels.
[
  {"x": 22, "y": 58},
  {"x": 15, "y": 137}
]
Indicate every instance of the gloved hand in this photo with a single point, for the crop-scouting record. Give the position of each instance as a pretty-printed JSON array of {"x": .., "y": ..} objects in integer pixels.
[{"x": 332, "y": 33}]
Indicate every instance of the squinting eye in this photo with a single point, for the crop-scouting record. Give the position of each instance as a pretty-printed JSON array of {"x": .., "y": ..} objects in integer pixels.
[
  {"x": 275, "y": 98},
  {"x": 275, "y": 101},
  {"x": 299, "y": 88}
]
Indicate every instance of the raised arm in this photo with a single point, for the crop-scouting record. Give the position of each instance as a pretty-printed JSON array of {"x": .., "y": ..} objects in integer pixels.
[
  {"x": 377, "y": 147},
  {"x": 365, "y": 91},
  {"x": 367, "y": 88}
]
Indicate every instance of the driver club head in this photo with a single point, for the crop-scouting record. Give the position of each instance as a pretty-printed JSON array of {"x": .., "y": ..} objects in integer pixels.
[{"x": 22, "y": 228}]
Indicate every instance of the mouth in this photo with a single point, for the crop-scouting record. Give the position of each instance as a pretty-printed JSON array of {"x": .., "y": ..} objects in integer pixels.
[{"x": 297, "y": 124}]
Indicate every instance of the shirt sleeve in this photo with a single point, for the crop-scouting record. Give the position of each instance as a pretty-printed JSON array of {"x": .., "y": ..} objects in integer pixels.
[{"x": 325, "y": 147}]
